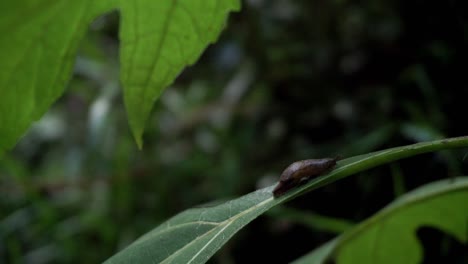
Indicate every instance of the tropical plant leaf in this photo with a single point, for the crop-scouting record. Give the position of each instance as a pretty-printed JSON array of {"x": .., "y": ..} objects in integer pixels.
[
  {"x": 390, "y": 235},
  {"x": 193, "y": 236},
  {"x": 155, "y": 48},
  {"x": 39, "y": 42}
]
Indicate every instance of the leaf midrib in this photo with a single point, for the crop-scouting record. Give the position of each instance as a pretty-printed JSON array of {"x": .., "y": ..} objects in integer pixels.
[{"x": 228, "y": 221}]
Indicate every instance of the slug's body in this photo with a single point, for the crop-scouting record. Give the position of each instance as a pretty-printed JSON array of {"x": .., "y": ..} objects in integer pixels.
[{"x": 301, "y": 171}]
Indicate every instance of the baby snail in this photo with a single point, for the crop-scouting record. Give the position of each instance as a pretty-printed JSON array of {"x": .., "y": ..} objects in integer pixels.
[{"x": 301, "y": 171}]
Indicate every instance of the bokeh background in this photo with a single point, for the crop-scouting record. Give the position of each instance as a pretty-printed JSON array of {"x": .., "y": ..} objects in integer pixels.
[{"x": 287, "y": 80}]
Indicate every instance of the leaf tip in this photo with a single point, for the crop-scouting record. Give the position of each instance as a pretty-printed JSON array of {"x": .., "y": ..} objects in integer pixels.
[
  {"x": 139, "y": 142},
  {"x": 138, "y": 135}
]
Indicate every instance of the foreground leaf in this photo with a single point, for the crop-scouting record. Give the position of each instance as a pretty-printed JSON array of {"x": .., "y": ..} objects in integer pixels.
[
  {"x": 160, "y": 38},
  {"x": 193, "y": 236},
  {"x": 39, "y": 42},
  {"x": 390, "y": 235}
]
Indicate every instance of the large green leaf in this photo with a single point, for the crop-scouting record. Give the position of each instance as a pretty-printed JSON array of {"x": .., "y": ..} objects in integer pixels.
[
  {"x": 390, "y": 235},
  {"x": 156, "y": 47},
  {"x": 193, "y": 236},
  {"x": 39, "y": 41}
]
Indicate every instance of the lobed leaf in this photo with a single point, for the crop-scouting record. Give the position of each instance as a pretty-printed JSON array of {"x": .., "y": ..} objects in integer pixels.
[
  {"x": 39, "y": 42},
  {"x": 160, "y": 38},
  {"x": 390, "y": 235}
]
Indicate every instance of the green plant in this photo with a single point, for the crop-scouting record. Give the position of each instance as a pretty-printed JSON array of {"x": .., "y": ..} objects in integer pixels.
[
  {"x": 195, "y": 235},
  {"x": 39, "y": 41},
  {"x": 150, "y": 62}
]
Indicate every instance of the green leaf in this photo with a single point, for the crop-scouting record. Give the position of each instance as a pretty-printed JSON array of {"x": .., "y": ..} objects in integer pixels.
[
  {"x": 39, "y": 42},
  {"x": 193, "y": 236},
  {"x": 390, "y": 235},
  {"x": 157, "y": 47}
]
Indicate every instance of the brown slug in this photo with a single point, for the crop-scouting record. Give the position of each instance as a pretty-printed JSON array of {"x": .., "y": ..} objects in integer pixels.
[{"x": 301, "y": 171}]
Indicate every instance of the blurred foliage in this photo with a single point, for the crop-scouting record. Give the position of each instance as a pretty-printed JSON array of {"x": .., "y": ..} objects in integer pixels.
[{"x": 288, "y": 80}]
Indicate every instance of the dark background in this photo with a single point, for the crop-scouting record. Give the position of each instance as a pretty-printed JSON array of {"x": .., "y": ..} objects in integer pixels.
[{"x": 287, "y": 80}]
